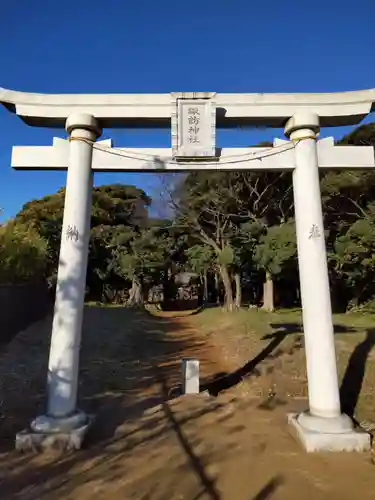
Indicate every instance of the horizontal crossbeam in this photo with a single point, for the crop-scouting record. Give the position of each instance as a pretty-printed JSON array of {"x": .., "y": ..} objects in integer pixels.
[{"x": 109, "y": 159}]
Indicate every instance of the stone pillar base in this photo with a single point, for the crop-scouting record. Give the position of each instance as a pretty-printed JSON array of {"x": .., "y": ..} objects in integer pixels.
[
  {"x": 48, "y": 433},
  {"x": 325, "y": 434}
]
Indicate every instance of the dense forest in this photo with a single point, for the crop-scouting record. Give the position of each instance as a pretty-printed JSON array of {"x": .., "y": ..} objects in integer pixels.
[{"x": 233, "y": 231}]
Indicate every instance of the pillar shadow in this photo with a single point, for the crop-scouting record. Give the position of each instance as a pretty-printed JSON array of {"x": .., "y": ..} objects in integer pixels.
[
  {"x": 196, "y": 463},
  {"x": 223, "y": 381},
  {"x": 353, "y": 378},
  {"x": 268, "y": 490}
]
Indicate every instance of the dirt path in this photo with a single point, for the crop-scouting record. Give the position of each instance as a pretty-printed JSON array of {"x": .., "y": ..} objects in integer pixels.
[{"x": 232, "y": 447}]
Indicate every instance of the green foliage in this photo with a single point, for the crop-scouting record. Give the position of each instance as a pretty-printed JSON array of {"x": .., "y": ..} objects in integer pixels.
[
  {"x": 226, "y": 256},
  {"x": 200, "y": 258},
  {"x": 364, "y": 135},
  {"x": 276, "y": 248},
  {"x": 240, "y": 221},
  {"x": 140, "y": 253},
  {"x": 354, "y": 258},
  {"x": 22, "y": 253},
  {"x": 115, "y": 209}
]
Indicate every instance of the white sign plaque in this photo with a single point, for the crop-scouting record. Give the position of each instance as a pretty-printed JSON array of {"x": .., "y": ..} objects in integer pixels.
[{"x": 195, "y": 124}]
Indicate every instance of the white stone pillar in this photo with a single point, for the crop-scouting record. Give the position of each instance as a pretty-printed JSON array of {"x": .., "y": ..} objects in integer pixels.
[
  {"x": 313, "y": 271},
  {"x": 63, "y": 365},
  {"x": 324, "y": 418}
]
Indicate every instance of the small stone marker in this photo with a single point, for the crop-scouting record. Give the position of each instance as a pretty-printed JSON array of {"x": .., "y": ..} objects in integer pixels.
[{"x": 190, "y": 376}]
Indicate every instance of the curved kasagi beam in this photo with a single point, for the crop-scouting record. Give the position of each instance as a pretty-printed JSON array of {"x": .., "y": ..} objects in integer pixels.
[{"x": 148, "y": 110}]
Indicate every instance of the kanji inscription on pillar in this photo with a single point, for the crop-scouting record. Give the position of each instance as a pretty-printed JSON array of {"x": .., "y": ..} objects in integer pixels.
[
  {"x": 195, "y": 128},
  {"x": 314, "y": 233},
  {"x": 72, "y": 233}
]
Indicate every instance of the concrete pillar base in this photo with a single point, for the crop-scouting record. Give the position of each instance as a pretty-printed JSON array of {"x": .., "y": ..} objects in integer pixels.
[
  {"x": 48, "y": 433},
  {"x": 328, "y": 434}
]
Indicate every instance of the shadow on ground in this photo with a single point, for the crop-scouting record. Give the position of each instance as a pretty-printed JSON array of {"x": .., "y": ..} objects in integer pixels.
[
  {"x": 122, "y": 350},
  {"x": 223, "y": 381},
  {"x": 273, "y": 350},
  {"x": 119, "y": 348},
  {"x": 143, "y": 442},
  {"x": 129, "y": 362},
  {"x": 269, "y": 489},
  {"x": 352, "y": 381}
]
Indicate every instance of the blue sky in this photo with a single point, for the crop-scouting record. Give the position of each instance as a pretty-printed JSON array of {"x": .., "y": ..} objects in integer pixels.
[{"x": 146, "y": 46}]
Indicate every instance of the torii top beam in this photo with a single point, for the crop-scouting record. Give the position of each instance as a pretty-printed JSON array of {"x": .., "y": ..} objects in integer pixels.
[{"x": 150, "y": 110}]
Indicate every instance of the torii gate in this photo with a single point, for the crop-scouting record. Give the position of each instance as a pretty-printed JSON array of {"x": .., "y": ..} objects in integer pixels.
[{"x": 192, "y": 116}]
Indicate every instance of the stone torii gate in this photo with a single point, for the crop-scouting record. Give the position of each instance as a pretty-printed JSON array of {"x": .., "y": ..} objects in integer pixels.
[{"x": 193, "y": 118}]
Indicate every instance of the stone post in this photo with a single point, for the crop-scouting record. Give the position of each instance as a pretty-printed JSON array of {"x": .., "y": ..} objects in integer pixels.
[
  {"x": 62, "y": 415},
  {"x": 323, "y": 427}
]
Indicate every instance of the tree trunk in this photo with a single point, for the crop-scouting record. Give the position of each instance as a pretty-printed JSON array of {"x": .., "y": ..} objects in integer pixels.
[
  {"x": 229, "y": 306},
  {"x": 205, "y": 287},
  {"x": 237, "y": 280},
  {"x": 268, "y": 303},
  {"x": 217, "y": 289},
  {"x": 136, "y": 294}
]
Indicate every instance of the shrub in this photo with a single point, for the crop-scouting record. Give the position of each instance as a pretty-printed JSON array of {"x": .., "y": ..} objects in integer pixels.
[{"x": 23, "y": 253}]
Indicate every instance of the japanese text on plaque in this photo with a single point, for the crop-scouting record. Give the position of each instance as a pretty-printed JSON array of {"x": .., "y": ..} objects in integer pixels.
[{"x": 194, "y": 119}]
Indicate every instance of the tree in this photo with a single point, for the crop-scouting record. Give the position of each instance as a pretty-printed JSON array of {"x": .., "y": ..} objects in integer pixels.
[
  {"x": 215, "y": 205},
  {"x": 346, "y": 194},
  {"x": 139, "y": 255},
  {"x": 244, "y": 245},
  {"x": 348, "y": 208},
  {"x": 115, "y": 208},
  {"x": 201, "y": 210},
  {"x": 45, "y": 217},
  {"x": 201, "y": 259},
  {"x": 354, "y": 261},
  {"x": 22, "y": 253},
  {"x": 276, "y": 249}
]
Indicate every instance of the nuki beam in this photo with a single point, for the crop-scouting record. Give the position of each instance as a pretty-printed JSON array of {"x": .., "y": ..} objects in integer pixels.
[
  {"x": 149, "y": 110},
  {"x": 109, "y": 159}
]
